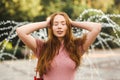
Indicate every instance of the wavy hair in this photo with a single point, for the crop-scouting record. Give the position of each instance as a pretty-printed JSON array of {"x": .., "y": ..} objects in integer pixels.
[{"x": 51, "y": 46}]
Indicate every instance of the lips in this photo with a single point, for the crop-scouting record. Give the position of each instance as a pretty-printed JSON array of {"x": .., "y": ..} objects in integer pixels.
[{"x": 59, "y": 32}]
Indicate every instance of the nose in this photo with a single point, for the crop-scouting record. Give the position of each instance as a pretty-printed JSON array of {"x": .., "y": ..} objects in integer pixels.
[{"x": 59, "y": 26}]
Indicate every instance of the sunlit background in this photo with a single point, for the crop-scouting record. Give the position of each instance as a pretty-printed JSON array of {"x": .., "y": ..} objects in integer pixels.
[{"x": 101, "y": 62}]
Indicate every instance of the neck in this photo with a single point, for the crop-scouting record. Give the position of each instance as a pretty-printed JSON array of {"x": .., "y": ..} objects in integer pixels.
[{"x": 61, "y": 40}]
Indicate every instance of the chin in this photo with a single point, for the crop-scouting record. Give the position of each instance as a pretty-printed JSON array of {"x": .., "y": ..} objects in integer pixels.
[{"x": 60, "y": 36}]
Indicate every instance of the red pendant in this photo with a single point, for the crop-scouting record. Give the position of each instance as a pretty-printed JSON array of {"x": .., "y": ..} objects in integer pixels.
[{"x": 37, "y": 78}]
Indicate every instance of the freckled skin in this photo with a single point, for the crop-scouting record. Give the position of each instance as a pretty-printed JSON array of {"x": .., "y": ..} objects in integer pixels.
[{"x": 59, "y": 26}]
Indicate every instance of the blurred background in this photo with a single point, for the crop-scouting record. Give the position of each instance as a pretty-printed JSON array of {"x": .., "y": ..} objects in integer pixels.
[
  {"x": 102, "y": 61},
  {"x": 30, "y": 10}
]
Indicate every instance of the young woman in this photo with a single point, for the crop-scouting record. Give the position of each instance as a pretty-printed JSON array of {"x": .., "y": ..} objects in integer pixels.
[{"x": 60, "y": 55}]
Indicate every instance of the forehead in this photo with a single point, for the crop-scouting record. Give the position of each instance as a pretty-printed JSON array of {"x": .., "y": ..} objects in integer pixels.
[{"x": 59, "y": 18}]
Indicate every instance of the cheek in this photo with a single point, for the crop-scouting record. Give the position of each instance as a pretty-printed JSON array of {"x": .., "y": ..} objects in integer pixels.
[
  {"x": 65, "y": 29},
  {"x": 53, "y": 30}
]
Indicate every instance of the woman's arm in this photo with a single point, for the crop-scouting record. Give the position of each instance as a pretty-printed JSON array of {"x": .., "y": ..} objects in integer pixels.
[
  {"x": 93, "y": 28},
  {"x": 25, "y": 31}
]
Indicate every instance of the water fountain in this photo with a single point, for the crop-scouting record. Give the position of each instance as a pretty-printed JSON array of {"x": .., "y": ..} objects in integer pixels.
[{"x": 103, "y": 40}]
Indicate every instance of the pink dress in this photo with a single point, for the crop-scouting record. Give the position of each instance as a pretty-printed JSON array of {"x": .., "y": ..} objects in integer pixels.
[{"x": 63, "y": 68}]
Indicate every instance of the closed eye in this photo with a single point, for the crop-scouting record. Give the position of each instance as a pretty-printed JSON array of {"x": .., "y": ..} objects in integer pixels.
[
  {"x": 55, "y": 23},
  {"x": 63, "y": 22}
]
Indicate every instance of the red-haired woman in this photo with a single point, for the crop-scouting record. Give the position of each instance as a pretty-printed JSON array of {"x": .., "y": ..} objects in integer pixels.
[{"x": 60, "y": 55}]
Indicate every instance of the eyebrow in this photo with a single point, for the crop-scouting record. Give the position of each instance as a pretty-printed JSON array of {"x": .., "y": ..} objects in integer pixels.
[
  {"x": 63, "y": 21},
  {"x": 60, "y": 21}
]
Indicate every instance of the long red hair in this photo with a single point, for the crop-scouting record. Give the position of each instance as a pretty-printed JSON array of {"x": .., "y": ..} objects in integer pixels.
[{"x": 51, "y": 46}]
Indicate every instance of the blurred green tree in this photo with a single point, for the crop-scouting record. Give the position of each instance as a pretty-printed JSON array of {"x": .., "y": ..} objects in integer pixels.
[
  {"x": 19, "y": 10},
  {"x": 35, "y": 10}
]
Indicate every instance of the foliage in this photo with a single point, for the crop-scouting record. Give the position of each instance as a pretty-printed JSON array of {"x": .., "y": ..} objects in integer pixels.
[
  {"x": 36, "y": 10},
  {"x": 19, "y": 10}
]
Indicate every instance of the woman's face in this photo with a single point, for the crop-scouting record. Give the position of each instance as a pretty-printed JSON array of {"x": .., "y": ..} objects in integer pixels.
[{"x": 59, "y": 26}]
